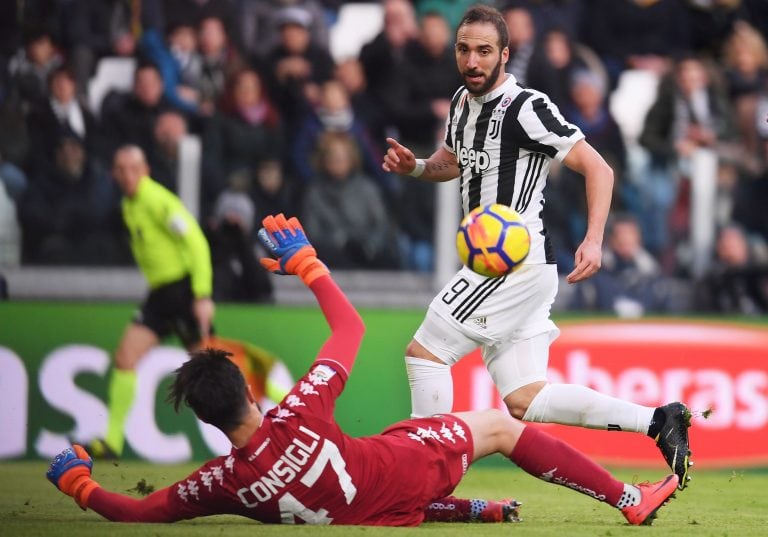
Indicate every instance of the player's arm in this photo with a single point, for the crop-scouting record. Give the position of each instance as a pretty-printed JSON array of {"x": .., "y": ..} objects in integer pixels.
[
  {"x": 441, "y": 166},
  {"x": 196, "y": 249},
  {"x": 70, "y": 472},
  {"x": 598, "y": 176},
  {"x": 286, "y": 241}
]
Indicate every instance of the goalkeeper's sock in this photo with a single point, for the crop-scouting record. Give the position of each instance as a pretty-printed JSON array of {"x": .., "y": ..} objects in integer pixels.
[
  {"x": 571, "y": 404},
  {"x": 550, "y": 459},
  {"x": 122, "y": 390},
  {"x": 431, "y": 387}
]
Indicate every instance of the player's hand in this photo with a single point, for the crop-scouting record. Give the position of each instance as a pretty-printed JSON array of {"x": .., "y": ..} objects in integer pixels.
[
  {"x": 588, "y": 260},
  {"x": 203, "y": 310},
  {"x": 285, "y": 240},
  {"x": 398, "y": 159},
  {"x": 70, "y": 471}
]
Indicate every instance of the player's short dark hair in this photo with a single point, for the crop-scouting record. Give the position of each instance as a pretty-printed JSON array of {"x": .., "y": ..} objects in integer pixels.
[
  {"x": 213, "y": 387},
  {"x": 484, "y": 13}
]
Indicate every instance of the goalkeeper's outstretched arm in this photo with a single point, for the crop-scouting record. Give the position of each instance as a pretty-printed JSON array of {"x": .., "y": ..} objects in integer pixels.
[{"x": 293, "y": 254}]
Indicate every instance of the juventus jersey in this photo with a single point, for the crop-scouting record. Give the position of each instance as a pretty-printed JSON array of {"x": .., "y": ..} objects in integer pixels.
[{"x": 504, "y": 142}]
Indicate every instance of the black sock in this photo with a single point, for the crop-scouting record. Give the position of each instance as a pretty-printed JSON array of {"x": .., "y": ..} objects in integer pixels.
[{"x": 657, "y": 422}]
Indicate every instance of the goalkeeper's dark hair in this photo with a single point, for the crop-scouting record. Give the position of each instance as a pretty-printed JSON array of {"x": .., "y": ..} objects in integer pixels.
[
  {"x": 213, "y": 387},
  {"x": 484, "y": 13}
]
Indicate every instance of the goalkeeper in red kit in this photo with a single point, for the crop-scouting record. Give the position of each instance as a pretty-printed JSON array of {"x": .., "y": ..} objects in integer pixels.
[{"x": 294, "y": 464}]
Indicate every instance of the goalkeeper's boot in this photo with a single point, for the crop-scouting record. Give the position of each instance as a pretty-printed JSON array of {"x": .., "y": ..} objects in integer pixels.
[
  {"x": 99, "y": 449},
  {"x": 653, "y": 497},
  {"x": 669, "y": 428},
  {"x": 507, "y": 510}
]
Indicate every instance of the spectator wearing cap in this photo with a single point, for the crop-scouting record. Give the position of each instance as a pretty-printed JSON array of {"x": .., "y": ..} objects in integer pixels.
[
  {"x": 237, "y": 274},
  {"x": 296, "y": 66},
  {"x": 260, "y": 29}
]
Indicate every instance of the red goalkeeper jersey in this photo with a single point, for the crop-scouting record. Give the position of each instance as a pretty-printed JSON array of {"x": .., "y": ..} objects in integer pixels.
[{"x": 299, "y": 467}]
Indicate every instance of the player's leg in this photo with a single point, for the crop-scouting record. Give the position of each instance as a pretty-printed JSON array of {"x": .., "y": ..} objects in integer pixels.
[
  {"x": 547, "y": 458},
  {"x": 435, "y": 348},
  {"x": 453, "y": 509},
  {"x": 518, "y": 366},
  {"x": 137, "y": 340},
  {"x": 519, "y": 372}
]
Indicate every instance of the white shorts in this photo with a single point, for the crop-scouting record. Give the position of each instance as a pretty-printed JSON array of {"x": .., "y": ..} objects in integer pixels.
[{"x": 508, "y": 318}]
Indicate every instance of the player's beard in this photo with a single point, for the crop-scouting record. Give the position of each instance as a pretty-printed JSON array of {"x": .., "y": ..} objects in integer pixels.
[{"x": 485, "y": 86}]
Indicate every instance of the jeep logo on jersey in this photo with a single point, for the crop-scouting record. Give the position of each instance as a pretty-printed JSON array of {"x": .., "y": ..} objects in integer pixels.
[{"x": 477, "y": 161}]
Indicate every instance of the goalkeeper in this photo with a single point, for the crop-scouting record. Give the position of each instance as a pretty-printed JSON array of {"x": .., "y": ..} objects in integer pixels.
[{"x": 295, "y": 465}]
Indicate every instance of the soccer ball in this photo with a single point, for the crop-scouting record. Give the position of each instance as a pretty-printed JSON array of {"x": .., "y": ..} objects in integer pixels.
[{"x": 492, "y": 240}]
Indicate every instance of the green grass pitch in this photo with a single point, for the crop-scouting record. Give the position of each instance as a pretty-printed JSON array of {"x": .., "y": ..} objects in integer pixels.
[{"x": 718, "y": 503}]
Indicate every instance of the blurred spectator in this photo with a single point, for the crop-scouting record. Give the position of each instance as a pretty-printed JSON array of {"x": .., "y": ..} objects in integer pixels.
[
  {"x": 259, "y": 23},
  {"x": 67, "y": 211},
  {"x": 272, "y": 191},
  {"x": 636, "y": 34},
  {"x": 237, "y": 274},
  {"x": 221, "y": 59},
  {"x": 104, "y": 28},
  {"x": 629, "y": 282},
  {"x": 129, "y": 118},
  {"x": 416, "y": 209},
  {"x": 553, "y": 66},
  {"x": 384, "y": 62},
  {"x": 690, "y": 112},
  {"x": 334, "y": 113},
  {"x": 565, "y": 210},
  {"x": 62, "y": 114},
  {"x": 14, "y": 143},
  {"x": 522, "y": 41},
  {"x": 32, "y": 64},
  {"x": 711, "y": 21},
  {"x": 296, "y": 66},
  {"x": 745, "y": 64},
  {"x": 192, "y": 12},
  {"x": 737, "y": 281},
  {"x": 756, "y": 13},
  {"x": 562, "y": 15},
  {"x": 14, "y": 180},
  {"x": 431, "y": 80},
  {"x": 351, "y": 75},
  {"x": 450, "y": 10},
  {"x": 10, "y": 31},
  {"x": 179, "y": 64},
  {"x": 589, "y": 111},
  {"x": 246, "y": 130},
  {"x": 343, "y": 211},
  {"x": 163, "y": 155}
]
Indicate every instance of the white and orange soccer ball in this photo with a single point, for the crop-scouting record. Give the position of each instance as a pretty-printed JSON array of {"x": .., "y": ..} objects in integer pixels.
[{"x": 493, "y": 240}]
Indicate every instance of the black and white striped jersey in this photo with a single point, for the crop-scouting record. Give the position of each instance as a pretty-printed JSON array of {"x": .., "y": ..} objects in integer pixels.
[{"x": 504, "y": 142}]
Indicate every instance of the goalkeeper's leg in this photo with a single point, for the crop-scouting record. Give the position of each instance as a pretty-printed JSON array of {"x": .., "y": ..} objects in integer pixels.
[{"x": 137, "y": 340}]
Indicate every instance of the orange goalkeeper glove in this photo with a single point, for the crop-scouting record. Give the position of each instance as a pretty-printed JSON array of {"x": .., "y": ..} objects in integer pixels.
[
  {"x": 70, "y": 471},
  {"x": 286, "y": 241}
]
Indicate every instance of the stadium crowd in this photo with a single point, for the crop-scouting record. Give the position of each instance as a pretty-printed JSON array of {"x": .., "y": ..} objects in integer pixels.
[{"x": 287, "y": 127}]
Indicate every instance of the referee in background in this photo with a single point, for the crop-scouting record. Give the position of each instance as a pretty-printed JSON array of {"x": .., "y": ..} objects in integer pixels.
[{"x": 173, "y": 254}]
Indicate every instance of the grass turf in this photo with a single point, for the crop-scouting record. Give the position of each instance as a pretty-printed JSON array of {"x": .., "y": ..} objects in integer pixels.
[{"x": 718, "y": 504}]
